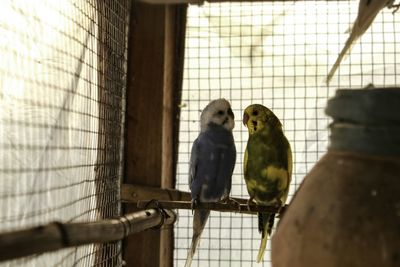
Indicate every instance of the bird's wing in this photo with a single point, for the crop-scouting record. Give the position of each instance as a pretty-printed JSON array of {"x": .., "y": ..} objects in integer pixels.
[
  {"x": 245, "y": 159},
  {"x": 212, "y": 164},
  {"x": 193, "y": 162},
  {"x": 226, "y": 164},
  {"x": 290, "y": 163}
]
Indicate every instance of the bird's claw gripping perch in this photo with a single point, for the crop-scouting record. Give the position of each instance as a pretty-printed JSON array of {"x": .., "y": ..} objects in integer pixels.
[
  {"x": 231, "y": 201},
  {"x": 249, "y": 201},
  {"x": 194, "y": 204}
]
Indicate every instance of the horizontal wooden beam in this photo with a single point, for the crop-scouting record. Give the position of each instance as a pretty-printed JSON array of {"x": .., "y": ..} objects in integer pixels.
[
  {"x": 135, "y": 193},
  {"x": 216, "y": 206},
  {"x": 56, "y": 235}
]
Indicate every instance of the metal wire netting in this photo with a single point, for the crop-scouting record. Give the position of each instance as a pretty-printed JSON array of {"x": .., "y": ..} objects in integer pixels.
[
  {"x": 277, "y": 54},
  {"x": 62, "y": 78}
]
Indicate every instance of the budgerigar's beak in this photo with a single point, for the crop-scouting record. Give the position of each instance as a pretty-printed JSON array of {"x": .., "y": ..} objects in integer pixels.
[{"x": 245, "y": 119}]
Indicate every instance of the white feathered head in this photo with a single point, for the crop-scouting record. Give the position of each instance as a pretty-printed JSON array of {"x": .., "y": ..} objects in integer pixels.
[{"x": 218, "y": 111}]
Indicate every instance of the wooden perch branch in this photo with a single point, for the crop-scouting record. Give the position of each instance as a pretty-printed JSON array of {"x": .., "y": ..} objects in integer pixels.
[
  {"x": 217, "y": 206},
  {"x": 175, "y": 199},
  {"x": 58, "y": 235}
]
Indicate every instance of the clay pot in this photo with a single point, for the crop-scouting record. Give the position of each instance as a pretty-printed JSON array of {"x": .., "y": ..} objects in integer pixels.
[{"x": 346, "y": 212}]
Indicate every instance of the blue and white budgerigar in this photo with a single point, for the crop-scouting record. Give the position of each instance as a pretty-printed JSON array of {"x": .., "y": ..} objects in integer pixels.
[
  {"x": 212, "y": 162},
  {"x": 267, "y": 165}
]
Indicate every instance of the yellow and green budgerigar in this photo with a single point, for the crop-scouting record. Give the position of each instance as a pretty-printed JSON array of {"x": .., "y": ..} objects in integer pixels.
[{"x": 267, "y": 165}]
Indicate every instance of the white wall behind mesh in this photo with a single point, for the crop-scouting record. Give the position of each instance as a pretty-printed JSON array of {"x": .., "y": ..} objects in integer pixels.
[
  {"x": 277, "y": 54},
  {"x": 51, "y": 115}
]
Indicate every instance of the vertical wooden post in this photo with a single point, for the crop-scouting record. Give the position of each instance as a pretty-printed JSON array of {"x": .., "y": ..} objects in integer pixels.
[
  {"x": 154, "y": 79},
  {"x": 175, "y": 28}
]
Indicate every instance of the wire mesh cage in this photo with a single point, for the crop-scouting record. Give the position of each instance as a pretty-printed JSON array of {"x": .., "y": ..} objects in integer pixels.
[
  {"x": 277, "y": 54},
  {"x": 62, "y": 76},
  {"x": 62, "y": 98}
]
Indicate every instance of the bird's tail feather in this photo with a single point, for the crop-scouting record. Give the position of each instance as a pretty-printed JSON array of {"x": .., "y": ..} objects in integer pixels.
[
  {"x": 265, "y": 224},
  {"x": 199, "y": 221},
  {"x": 192, "y": 250},
  {"x": 261, "y": 250}
]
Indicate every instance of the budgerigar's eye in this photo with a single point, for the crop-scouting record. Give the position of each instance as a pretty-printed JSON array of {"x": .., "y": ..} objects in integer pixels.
[
  {"x": 255, "y": 113},
  {"x": 220, "y": 112}
]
